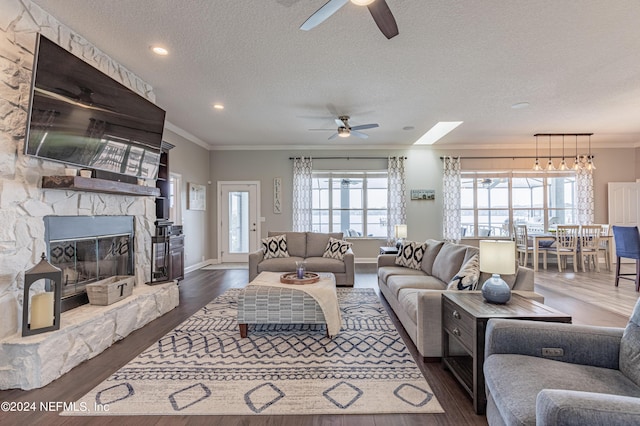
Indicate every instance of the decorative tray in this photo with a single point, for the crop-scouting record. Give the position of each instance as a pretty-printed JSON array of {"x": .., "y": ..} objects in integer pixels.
[{"x": 292, "y": 278}]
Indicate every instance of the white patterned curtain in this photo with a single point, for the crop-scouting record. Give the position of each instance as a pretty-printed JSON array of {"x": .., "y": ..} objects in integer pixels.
[
  {"x": 584, "y": 197},
  {"x": 451, "y": 223},
  {"x": 302, "y": 168},
  {"x": 396, "y": 197}
]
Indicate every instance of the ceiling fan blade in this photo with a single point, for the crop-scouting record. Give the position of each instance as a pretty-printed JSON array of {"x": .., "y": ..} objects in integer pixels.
[
  {"x": 333, "y": 136},
  {"x": 359, "y": 134},
  {"x": 329, "y": 8},
  {"x": 365, "y": 126},
  {"x": 340, "y": 123},
  {"x": 384, "y": 18}
]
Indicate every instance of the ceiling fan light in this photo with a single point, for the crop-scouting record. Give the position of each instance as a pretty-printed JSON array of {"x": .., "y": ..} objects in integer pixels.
[
  {"x": 343, "y": 135},
  {"x": 362, "y": 2}
]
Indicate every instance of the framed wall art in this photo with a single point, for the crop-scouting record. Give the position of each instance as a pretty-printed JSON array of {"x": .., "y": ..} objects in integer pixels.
[
  {"x": 423, "y": 194},
  {"x": 277, "y": 195},
  {"x": 197, "y": 199}
]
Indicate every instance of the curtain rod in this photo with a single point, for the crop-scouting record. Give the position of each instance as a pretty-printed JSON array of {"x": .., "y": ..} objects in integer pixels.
[
  {"x": 516, "y": 157},
  {"x": 348, "y": 158}
]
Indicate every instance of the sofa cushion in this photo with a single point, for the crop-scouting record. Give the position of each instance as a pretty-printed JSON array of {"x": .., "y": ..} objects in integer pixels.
[
  {"x": 281, "y": 264},
  {"x": 385, "y": 272},
  {"x": 516, "y": 399},
  {"x": 410, "y": 254},
  {"x": 397, "y": 283},
  {"x": 317, "y": 242},
  {"x": 467, "y": 277},
  {"x": 433, "y": 248},
  {"x": 408, "y": 300},
  {"x": 448, "y": 261},
  {"x": 324, "y": 264},
  {"x": 630, "y": 347},
  {"x": 336, "y": 249},
  {"x": 275, "y": 247},
  {"x": 296, "y": 242}
]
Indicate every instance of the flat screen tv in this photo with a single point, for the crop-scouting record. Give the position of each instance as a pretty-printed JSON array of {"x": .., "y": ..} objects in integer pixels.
[{"x": 82, "y": 117}]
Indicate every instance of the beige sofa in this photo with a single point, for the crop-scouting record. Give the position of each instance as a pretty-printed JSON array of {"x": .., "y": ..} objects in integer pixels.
[
  {"x": 307, "y": 246},
  {"x": 416, "y": 295}
]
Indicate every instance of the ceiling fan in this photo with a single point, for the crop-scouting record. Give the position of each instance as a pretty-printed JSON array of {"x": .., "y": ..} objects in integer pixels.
[
  {"x": 345, "y": 130},
  {"x": 379, "y": 11}
]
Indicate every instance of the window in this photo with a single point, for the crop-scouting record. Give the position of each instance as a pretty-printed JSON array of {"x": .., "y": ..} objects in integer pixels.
[
  {"x": 492, "y": 202},
  {"x": 354, "y": 203}
]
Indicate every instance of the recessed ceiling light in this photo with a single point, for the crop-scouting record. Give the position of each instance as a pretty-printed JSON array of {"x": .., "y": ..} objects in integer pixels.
[
  {"x": 408, "y": 128},
  {"x": 437, "y": 132},
  {"x": 158, "y": 50},
  {"x": 520, "y": 105},
  {"x": 218, "y": 106},
  {"x": 362, "y": 2}
]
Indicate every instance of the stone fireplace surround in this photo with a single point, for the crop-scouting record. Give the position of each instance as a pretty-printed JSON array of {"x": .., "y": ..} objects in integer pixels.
[{"x": 34, "y": 361}]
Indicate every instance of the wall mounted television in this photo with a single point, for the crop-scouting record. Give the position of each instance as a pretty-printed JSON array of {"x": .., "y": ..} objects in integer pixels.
[{"x": 82, "y": 117}]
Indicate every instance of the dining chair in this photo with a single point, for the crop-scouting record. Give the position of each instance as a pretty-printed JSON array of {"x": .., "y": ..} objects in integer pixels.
[
  {"x": 589, "y": 246},
  {"x": 605, "y": 244},
  {"x": 566, "y": 245},
  {"x": 524, "y": 247},
  {"x": 627, "y": 242}
]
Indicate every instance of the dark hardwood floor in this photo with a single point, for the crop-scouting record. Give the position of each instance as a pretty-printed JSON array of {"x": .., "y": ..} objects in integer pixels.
[{"x": 200, "y": 287}]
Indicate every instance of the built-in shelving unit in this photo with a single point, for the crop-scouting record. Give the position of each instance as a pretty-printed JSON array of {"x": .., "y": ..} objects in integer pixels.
[{"x": 79, "y": 183}]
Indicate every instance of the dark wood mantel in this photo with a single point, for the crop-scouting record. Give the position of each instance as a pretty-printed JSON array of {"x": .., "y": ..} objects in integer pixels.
[{"x": 79, "y": 183}]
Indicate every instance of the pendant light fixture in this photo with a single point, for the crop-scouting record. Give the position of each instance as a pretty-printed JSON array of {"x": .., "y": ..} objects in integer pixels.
[
  {"x": 590, "y": 166},
  {"x": 576, "y": 161},
  {"x": 550, "y": 166},
  {"x": 563, "y": 163},
  {"x": 536, "y": 164}
]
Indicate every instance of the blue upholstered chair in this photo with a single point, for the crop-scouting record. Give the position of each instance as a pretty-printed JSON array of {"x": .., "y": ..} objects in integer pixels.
[
  {"x": 627, "y": 241},
  {"x": 543, "y": 373}
]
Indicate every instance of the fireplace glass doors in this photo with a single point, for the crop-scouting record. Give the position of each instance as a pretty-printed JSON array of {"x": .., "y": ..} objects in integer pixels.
[
  {"x": 88, "y": 260},
  {"x": 88, "y": 249}
]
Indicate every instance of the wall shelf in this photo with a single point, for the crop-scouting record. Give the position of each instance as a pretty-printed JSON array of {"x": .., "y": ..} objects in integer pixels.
[{"x": 79, "y": 183}]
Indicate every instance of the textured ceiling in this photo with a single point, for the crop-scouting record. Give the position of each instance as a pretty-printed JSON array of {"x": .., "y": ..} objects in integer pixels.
[{"x": 577, "y": 63}]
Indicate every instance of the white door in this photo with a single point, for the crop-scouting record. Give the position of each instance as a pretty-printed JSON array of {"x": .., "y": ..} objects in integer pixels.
[
  {"x": 624, "y": 208},
  {"x": 238, "y": 210}
]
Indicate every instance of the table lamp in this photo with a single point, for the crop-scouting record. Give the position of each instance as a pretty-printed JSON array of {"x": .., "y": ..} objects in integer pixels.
[
  {"x": 497, "y": 257},
  {"x": 400, "y": 232}
]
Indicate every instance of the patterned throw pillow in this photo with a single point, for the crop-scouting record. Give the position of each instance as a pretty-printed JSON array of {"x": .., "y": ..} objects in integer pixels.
[
  {"x": 467, "y": 277},
  {"x": 336, "y": 249},
  {"x": 410, "y": 255},
  {"x": 274, "y": 247}
]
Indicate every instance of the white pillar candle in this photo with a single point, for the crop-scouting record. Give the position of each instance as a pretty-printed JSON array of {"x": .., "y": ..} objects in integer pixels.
[{"x": 42, "y": 310}]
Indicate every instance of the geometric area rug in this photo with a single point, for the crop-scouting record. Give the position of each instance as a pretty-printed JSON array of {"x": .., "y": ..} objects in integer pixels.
[{"x": 203, "y": 367}]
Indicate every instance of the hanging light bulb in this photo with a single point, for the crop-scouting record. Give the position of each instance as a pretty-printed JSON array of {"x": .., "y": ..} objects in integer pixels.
[
  {"x": 563, "y": 163},
  {"x": 576, "y": 161},
  {"x": 590, "y": 165},
  {"x": 550, "y": 166},
  {"x": 536, "y": 164}
]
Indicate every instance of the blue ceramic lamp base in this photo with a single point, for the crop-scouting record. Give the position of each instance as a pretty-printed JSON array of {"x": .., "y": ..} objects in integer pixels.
[{"x": 496, "y": 290}]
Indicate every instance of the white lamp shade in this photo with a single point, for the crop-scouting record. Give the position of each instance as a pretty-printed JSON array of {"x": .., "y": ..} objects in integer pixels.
[
  {"x": 400, "y": 231},
  {"x": 498, "y": 257}
]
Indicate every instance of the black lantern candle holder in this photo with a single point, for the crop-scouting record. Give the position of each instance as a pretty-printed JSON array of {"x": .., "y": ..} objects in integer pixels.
[{"x": 44, "y": 306}]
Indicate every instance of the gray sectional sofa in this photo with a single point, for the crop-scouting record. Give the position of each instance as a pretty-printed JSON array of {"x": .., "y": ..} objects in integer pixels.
[
  {"x": 416, "y": 295},
  {"x": 307, "y": 246}
]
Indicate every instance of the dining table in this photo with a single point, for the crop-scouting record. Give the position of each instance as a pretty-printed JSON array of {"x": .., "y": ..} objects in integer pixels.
[{"x": 537, "y": 238}]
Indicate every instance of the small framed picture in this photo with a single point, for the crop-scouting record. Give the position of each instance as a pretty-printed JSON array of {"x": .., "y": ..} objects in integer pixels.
[
  {"x": 423, "y": 194},
  {"x": 197, "y": 199}
]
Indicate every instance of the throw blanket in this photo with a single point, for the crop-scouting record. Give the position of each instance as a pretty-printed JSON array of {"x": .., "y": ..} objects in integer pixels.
[{"x": 324, "y": 293}]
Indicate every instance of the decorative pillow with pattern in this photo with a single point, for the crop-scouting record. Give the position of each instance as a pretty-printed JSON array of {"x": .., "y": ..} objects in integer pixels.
[
  {"x": 468, "y": 276},
  {"x": 274, "y": 247},
  {"x": 411, "y": 254},
  {"x": 336, "y": 249}
]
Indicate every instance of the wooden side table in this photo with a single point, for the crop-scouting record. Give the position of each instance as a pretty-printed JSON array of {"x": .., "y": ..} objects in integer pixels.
[{"x": 464, "y": 319}]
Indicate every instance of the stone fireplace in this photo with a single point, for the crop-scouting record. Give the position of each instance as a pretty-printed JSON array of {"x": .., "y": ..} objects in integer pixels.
[
  {"x": 88, "y": 249},
  {"x": 26, "y": 208}
]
